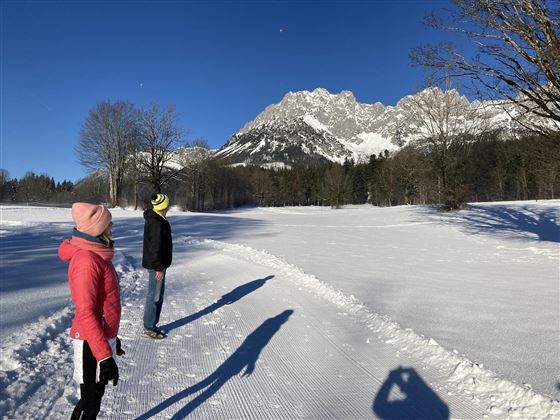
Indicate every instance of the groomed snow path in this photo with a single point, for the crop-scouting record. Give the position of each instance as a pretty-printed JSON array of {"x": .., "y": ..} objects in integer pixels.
[{"x": 247, "y": 342}]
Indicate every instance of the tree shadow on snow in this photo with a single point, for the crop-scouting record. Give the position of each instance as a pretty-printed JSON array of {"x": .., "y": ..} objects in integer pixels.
[
  {"x": 516, "y": 221},
  {"x": 25, "y": 248},
  {"x": 128, "y": 232},
  {"x": 28, "y": 249},
  {"x": 245, "y": 357},
  {"x": 413, "y": 399},
  {"x": 227, "y": 299},
  {"x": 216, "y": 226}
]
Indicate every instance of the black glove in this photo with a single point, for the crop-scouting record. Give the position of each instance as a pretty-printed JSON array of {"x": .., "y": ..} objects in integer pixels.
[
  {"x": 108, "y": 370},
  {"x": 120, "y": 350}
]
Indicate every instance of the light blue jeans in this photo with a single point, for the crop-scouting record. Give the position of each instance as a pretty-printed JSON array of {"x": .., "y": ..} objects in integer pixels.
[{"x": 154, "y": 301}]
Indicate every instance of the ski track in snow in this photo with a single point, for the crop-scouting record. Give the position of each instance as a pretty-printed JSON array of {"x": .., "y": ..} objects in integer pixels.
[
  {"x": 499, "y": 396},
  {"x": 300, "y": 370},
  {"x": 308, "y": 364}
]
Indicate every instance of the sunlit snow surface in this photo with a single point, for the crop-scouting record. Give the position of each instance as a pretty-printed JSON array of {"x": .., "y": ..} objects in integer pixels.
[{"x": 468, "y": 300}]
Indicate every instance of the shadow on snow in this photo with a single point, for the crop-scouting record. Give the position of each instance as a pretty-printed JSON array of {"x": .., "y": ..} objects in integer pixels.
[
  {"x": 245, "y": 357},
  {"x": 28, "y": 250},
  {"x": 502, "y": 219},
  {"x": 417, "y": 400},
  {"x": 227, "y": 299},
  {"x": 218, "y": 227},
  {"x": 28, "y": 247}
]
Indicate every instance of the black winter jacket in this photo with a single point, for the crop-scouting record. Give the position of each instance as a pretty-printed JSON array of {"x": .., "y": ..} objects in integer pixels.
[{"x": 158, "y": 246}]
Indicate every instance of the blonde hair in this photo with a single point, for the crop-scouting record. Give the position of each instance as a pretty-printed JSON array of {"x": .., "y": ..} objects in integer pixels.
[{"x": 107, "y": 237}]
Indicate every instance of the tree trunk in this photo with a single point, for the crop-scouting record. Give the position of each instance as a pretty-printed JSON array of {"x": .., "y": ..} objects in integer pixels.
[
  {"x": 113, "y": 190},
  {"x": 136, "y": 196}
]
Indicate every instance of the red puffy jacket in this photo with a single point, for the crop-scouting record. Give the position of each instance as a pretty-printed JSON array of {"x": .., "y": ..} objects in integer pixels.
[{"x": 94, "y": 288}]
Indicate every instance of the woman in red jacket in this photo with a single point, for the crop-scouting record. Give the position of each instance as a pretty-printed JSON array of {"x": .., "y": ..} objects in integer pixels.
[{"x": 94, "y": 288}]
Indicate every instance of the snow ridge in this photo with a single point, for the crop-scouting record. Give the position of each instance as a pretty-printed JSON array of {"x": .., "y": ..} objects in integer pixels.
[{"x": 500, "y": 396}]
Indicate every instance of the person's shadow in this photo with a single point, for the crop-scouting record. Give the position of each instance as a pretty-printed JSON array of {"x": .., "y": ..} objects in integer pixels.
[
  {"x": 419, "y": 400},
  {"x": 245, "y": 357},
  {"x": 226, "y": 299}
]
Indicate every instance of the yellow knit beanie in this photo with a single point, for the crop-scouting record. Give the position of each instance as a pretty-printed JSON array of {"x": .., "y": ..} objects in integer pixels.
[{"x": 160, "y": 202}]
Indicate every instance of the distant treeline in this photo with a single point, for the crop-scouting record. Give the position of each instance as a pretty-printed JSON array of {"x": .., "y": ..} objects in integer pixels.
[{"x": 483, "y": 169}]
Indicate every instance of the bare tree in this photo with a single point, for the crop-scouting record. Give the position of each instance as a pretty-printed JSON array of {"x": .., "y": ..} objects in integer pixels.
[
  {"x": 160, "y": 136},
  {"x": 133, "y": 175},
  {"x": 337, "y": 186},
  {"x": 194, "y": 162},
  {"x": 442, "y": 121},
  {"x": 107, "y": 136},
  {"x": 517, "y": 54}
]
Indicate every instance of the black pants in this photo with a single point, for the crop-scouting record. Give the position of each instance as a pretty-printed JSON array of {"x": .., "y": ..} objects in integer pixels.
[
  {"x": 90, "y": 392},
  {"x": 90, "y": 402}
]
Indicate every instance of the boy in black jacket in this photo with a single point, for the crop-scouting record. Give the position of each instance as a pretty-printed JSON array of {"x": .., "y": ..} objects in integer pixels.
[{"x": 157, "y": 256}]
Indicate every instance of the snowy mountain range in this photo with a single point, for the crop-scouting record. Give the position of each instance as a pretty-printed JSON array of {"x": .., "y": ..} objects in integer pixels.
[{"x": 313, "y": 127}]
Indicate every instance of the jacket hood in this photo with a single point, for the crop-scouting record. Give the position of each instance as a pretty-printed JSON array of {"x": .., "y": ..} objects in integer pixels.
[
  {"x": 66, "y": 250},
  {"x": 151, "y": 214},
  {"x": 70, "y": 247}
]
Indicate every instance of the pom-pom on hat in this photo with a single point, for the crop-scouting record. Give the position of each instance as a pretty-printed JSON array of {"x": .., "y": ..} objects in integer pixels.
[
  {"x": 160, "y": 202},
  {"x": 92, "y": 219}
]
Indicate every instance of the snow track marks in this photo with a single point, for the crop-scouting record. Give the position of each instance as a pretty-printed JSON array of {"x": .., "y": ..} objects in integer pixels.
[{"x": 251, "y": 337}]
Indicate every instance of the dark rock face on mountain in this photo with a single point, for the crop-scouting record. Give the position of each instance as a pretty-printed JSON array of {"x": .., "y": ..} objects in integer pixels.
[
  {"x": 292, "y": 143},
  {"x": 306, "y": 128}
]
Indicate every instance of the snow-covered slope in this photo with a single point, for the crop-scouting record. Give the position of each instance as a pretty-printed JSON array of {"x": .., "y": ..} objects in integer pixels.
[{"x": 306, "y": 127}]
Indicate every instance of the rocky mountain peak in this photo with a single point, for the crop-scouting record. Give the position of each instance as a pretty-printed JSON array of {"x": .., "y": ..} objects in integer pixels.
[{"x": 321, "y": 126}]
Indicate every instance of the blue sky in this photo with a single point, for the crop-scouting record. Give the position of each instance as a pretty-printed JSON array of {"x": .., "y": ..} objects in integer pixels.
[{"x": 219, "y": 62}]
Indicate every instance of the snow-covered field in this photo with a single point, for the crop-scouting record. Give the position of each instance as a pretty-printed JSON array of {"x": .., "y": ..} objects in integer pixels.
[{"x": 297, "y": 313}]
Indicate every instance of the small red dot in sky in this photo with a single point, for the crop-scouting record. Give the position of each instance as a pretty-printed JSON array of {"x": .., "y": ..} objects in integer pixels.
[{"x": 281, "y": 30}]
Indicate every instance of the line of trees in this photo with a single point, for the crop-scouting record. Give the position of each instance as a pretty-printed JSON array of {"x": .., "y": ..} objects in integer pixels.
[
  {"x": 34, "y": 188},
  {"x": 484, "y": 168},
  {"x": 488, "y": 169},
  {"x": 42, "y": 189}
]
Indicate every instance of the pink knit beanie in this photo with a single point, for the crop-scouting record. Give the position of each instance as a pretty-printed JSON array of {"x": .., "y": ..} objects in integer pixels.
[{"x": 92, "y": 219}]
